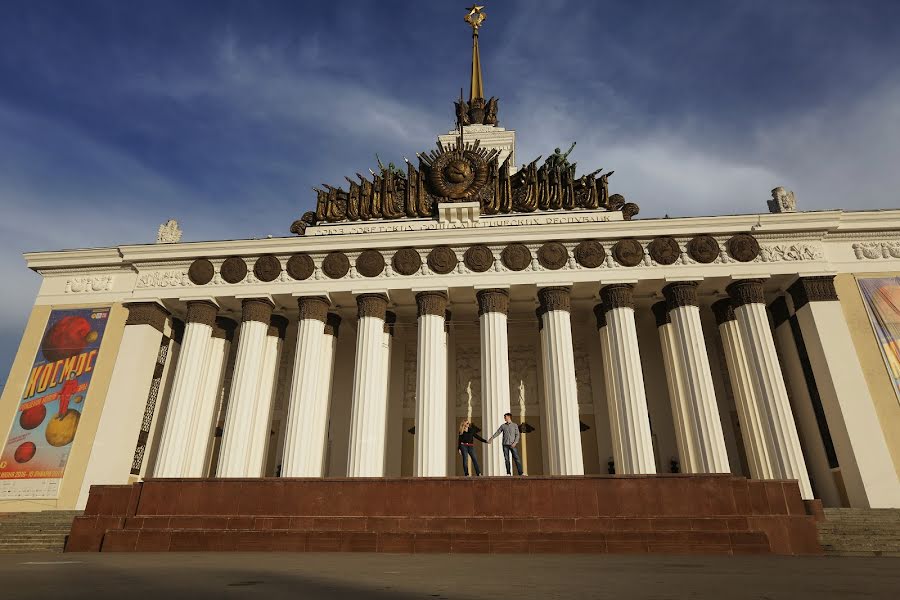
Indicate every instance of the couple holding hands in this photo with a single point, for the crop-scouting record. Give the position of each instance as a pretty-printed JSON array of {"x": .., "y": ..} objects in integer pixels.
[{"x": 510, "y": 441}]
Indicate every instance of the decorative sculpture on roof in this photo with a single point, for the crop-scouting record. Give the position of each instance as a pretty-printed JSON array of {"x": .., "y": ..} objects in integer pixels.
[
  {"x": 168, "y": 233},
  {"x": 782, "y": 201}
]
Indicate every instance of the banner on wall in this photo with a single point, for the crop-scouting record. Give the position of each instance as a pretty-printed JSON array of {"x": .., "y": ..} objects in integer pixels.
[
  {"x": 33, "y": 460},
  {"x": 882, "y": 296}
]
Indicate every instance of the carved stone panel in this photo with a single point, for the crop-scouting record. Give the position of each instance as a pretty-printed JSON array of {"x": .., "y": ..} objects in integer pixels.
[
  {"x": 516, "y": 257},
  {"x": 479, "y": 258},
  {"x": 370, "y": 263},
  {"x": 628, "y": 253},
  {"x": 406, "y": 261},
  {"x": 590, "y": 254},
  {"x": 703, "y": 248},
  {"x": 553, "y": 255},
  {"x": 267, "y": 268},
  {"x": 201, "y": 272},
  {"x": 233, "y": 270},
  {"x": 442, "y": 260},
  {"x": 743, "y": 247},
  {"x": 664, "y": 250},
  {"x": 300, "y": 266},
  {"x": 336, "y": 265}
]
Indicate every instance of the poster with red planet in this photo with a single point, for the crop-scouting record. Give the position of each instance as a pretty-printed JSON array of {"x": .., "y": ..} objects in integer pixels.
[{"x": 33, "y": 460}]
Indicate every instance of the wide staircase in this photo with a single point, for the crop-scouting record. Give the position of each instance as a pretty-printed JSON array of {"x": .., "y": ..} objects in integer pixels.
[
  {"x": 44, "y": 531},
  {"x": 860, "y": 531}
]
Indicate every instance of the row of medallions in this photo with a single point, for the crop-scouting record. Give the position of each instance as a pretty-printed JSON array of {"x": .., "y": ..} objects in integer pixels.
[{"x": 590, "y": 254}]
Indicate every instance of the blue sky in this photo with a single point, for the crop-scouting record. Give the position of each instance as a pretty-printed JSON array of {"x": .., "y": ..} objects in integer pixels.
[{"x": 117, "y": 115}]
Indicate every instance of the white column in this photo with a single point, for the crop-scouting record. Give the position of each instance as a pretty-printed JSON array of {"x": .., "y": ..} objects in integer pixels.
[
  {"x": 625, "y": 384},
  {"x": 306, "y": 436},
  {"x": 493, "y": 307},
  {"x": 865, "y": 462},
  {"x": 141, "y": 359},
  {"x": 752, "y": 409},
  {"x": 690, "y": 351},
  {"x": 326, "y": 379},
  {"x": 261, "y": 433},
  {"x": 387, "y": 342},
  {"x": 368, "y": 417},
  {"x": 431, "y": 385},
  {"x": 234, "y": 455},
  {"x": 682, "y": 416},
  {"x": 561, "y": 389},
  {"x": 177, "y": 436},
  {"x": 548, "y": 409},
  {"x": 208, "y": 401},
  {"x": 615, "y": 440}
]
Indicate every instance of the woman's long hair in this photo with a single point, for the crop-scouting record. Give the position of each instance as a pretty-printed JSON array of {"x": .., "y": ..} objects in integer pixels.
[{"x": 463, "y": 425}]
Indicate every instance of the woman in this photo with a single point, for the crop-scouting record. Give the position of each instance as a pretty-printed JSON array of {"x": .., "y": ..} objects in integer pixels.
[{"x": 467, "y": 437}]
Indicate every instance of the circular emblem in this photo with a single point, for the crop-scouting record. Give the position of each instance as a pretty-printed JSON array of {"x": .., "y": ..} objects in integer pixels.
[
  {"x": 703, "y": 248},
  {"x": 300, "y": 266},
  {"x": 201, "y": 272},
  {"x": 553, "y": 255},
  {"x": 459, "y": 177},
  {"x": 370, "y": 263},
  {"x": 336, "y": 265},
  {"x": 406, "y": 261},
  {"x": 233, "y": 270},
  {"x": 479, "y": 258},
  {"x": 442, "y": 260},
  {"x": 628, "y": 253},
  {"x": 516, "y": 257},
  {"x": 590, "y": 254},
  {"x": 267, "y": 268},
  {"x": 664, "y": 250},
  {"x": 743, "y": 247}
]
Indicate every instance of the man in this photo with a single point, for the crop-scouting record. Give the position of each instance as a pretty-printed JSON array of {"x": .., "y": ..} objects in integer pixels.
[{"x": 510, "y": 440}]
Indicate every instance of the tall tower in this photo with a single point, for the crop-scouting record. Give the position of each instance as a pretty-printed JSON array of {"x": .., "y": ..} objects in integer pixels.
[{"x": 478, "y": 117}]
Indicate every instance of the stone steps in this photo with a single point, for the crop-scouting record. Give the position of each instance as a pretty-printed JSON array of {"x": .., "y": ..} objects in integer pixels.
[
  {"x": 35, "y": 531},
  {"x": 860, "y": 532}
]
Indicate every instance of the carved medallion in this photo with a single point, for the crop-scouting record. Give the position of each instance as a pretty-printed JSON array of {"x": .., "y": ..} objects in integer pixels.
[
  {"x": 300, "y": 266},
  {"x": 516, "y": 257},
  {"x": 553, "y": 255},
  {"x": 370, "y": 263},
  {"x": 458, "y": 177},
  {"x": 628, "y": 253},
  {"x": 442, "y": 260},
  {"x": 743, "y": 247},
  {"x": 336, "y": 265},
  {"x": 703, "y": 248},
  {"x": 201, "y": 272},
  {"x": 590, "y": 254},
  {"x": 479, "y": 258},
  {"x": 406, "y": 261},
  {"x": 267, "y": 268},
  {"x": 664, "y": 250},
  {"x": 233, "y": 270}
]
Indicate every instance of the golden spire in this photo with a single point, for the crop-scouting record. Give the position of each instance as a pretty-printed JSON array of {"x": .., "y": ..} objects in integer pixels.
[{"x": 475, "y": 18}]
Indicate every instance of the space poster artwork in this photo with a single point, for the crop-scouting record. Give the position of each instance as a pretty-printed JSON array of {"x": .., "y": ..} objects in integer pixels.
[
  {"x": 34, "y": 458},
  {"x": 882, "y": 296}
]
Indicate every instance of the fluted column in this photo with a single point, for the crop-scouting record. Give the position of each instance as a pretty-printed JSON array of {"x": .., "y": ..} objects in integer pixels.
[
  {"x": 306, "y": 433},
  {"x": 234, "y": 456},
  {"x": 493, "y": 307},
  {"x": 200, "y": 452},
  {"x": 683, "y": 417},
  {"x": 752, "y": 409},
  {"x": 603, "y": 334},
  {"x": 173, "y": 457},
  {"x": 326, "y": 380},
  {"x": 690, "y": 351},
  {"x": 561, "y": 389},
  {"x": 368, "y": 419},
  {"x": 261, "y": 433},
  {"x": 548, "y": 409},
  {"x": 768, "y": 382},
  {"x": 632, "y": 441},
  {"x": 431, "y": 385}
]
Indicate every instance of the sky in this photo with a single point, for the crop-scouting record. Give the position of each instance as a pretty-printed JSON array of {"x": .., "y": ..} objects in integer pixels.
[{"x": 117, "y": 115}]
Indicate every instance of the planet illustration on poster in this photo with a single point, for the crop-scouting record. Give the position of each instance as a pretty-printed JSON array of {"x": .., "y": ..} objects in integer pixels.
[
  {"x": 61, "y": 428},
  {"x": 25, "y": 452},
  {"x": 32, "y": 417},
  {"x": 67, "y": 337}
]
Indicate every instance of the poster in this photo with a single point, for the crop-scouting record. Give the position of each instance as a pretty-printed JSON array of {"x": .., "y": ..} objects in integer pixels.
[
  {"x": 882, "y": 299},
  {"x": 34, "y": 457}
]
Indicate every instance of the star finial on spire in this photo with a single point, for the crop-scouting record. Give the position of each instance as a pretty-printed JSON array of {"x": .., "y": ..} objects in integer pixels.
[{"x": 475, "y": 17}]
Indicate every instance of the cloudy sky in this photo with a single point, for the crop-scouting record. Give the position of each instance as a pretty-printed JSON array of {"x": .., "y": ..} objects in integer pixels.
[{"x": 117, "y": 115}]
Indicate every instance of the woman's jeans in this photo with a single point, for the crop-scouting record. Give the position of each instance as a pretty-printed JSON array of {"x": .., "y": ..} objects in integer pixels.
[{"x": 470, "y": 451}]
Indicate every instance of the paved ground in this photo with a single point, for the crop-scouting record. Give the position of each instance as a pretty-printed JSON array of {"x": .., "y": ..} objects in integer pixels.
[{"x": 382, "y": 576}]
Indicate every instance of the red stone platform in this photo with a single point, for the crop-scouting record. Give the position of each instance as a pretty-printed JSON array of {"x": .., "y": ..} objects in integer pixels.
[{"x": 710, "y": 514}]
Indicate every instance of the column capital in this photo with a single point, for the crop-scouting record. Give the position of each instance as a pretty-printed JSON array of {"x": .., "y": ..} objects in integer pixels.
[
  {"x": 313, "y": 307},
  {"x": 256, "y": 309},
  {"x": 746, "y": 291},
  {"x": 780, "y": 312},
  {"x": 617, "y": 295},
  {"x": 332, "y": 324},
  {"x": 431, "y": 302},
  {"x": 371, "y": 305},
  {"x": 277, "y": 326},
  {"x": 724, "y": 310},
  {"x": 201, "y": 311},
  {"x": 147, "y": 313},
  {"x": 390, "y": 319},
  {"x": 223, "y": 329},
  {"x": 661, "y": 313},
  {"x": 492, "y": 300},
  {"x": 680, "y": 293},
  {"x": 819, "y": 288},
  {"x": 600, "y": 315},
  {"x": 555, "y": 298}
]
